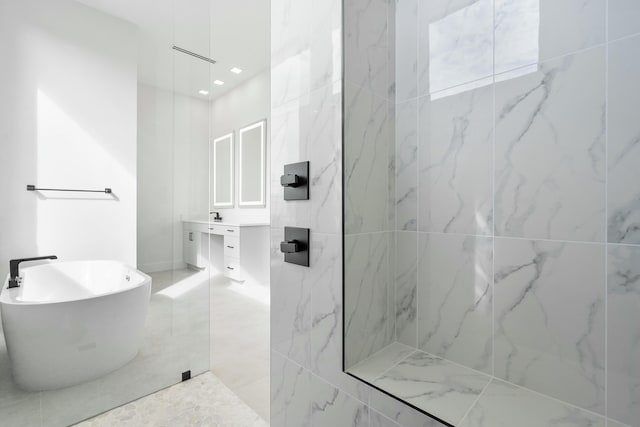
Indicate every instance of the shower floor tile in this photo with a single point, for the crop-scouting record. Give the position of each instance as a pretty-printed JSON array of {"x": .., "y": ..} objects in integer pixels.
[
  {"x": 465, "y": 397},
  {"x": 435, "y": 385},
  {"x": 202, "y": 401},
  {"x": 503, "y": 404},
  {"x": 378, "y": 363}
]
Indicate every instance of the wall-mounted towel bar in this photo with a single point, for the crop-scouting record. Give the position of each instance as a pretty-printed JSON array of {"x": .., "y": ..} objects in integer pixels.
[{"x": 33, "y": 188}]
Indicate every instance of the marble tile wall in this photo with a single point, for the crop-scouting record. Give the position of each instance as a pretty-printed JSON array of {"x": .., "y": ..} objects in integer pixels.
[
  {"x": 518, "y": 194},
  {"x": 512, "y": 241},
  {"x": 371, "y": 163},
  {"x": 308, "y": 386}
]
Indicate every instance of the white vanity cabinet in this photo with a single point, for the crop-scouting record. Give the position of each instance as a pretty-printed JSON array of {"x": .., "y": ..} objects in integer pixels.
[
  {"x": 191, "y": 241},
  {"x": 245, "y": 248}
]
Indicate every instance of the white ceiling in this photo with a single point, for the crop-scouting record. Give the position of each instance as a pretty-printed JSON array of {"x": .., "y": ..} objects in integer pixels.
[{"x": 235, "y": 33}]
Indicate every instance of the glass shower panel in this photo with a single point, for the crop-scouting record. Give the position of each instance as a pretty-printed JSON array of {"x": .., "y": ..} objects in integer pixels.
[
  {"x": 190, "y": 292},
  {"x": 102, "y": 100}
]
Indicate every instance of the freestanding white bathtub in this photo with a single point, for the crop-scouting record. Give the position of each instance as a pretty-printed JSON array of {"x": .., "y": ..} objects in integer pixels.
[{"x": 71, "y": 322}]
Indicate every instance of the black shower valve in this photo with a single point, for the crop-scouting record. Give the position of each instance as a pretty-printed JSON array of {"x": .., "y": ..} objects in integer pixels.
[
  {"x": 291, "y": 247},
  {"x": 295, "y": 181},
  {"x": 290, "y": 180},
  {"x": 295, "y": 246}
]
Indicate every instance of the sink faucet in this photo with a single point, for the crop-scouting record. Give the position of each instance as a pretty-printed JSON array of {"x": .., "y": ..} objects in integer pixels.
[
  {"x": 14, "y": 273},
  {"x": 217, "y": 217}
]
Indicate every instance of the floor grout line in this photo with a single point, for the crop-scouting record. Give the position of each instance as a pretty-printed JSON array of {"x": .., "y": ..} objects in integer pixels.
[
  {"x": 475, "y": 402},
  {"x": 393, "y": 366}
]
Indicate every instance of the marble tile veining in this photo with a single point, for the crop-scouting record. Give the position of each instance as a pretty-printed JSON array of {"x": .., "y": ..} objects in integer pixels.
[
  {"x": 326, "y": 332},
  {"x": 455, "y": 163},
  {"x": 366, "y": 45},
  {"x": 392, "y": 176},
  {"x": 291, "y": 393},
  {"x": 623, "y": 303},
  {"x": 376, "y": 419},
  {"x": 314, "y": 123},
  {"x": 332, "y": 407},
  {"x": 436, "y": 109},
  {"x": 366, "y": 160},
  {"x": 406, "y": 165},
  {"x": 290, "y": 307},
  {"x": 308, "y": 387},
  {"x": 624, "y": 142},
  {"x": 375, "y": 365},
  {"x": 366, "y": 300},
  {"x": 541, "y": 27},
  {"x": 297, "y": 327},
  {"x": 517, "y": 34},
  {"x": 392, "y": 50},
  {"x": 499, "y": 404},
  {"x": 506, "y": 405},
  {"x": 400, "y": 413},
  {"x": 406, "y": 288},
  {"x": 434, "y": 385},
  {"x": 455, "y": 43},
  {"x": 455, "y": 298},
  {"x": 549, "y": 319},
  {"x": 549, "y": 148},
  {"x": 406, "y": 49}
]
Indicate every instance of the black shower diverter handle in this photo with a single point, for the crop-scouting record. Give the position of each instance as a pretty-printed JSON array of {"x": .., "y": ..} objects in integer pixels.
[
  {"x": 291, "y": 247},
  {"x": 290, "y": 180}
]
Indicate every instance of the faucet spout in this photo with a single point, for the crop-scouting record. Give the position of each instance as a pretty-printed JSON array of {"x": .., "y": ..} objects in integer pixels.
[{"x": 14, "y": 271}]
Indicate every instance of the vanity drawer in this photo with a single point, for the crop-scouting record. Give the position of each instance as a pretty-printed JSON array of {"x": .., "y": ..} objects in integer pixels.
[
  {"x": 229, "y": 230},
  {"x": 232, "y": 268},
  {"x": 231, "y": 247},
  {"x": 214, "y": 228}
]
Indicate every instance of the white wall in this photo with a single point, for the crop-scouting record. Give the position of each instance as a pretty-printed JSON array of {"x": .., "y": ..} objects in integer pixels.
[
  {"x": 244, "y": 105},
  {"x": 155, "y": 179},
  {"x": 173, "y": 168},
  {"x": 68, "y": 120},
  {"x": 173, "y": 173}
]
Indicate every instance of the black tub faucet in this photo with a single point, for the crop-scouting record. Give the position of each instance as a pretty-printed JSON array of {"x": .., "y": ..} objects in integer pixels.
[{"x": 14, "y": 273}]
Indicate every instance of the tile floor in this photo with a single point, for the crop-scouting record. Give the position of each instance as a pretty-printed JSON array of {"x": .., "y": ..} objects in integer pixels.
[
  {"x": 240, "y": 341},
  {"x": 236, "y": 393},
  {"x": 184, "y": 314},
  {"x": 201, "y": 401},
  {"x": 465, "y": 397}
]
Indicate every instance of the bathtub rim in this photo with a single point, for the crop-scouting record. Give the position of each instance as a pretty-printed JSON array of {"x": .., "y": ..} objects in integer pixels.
[{"x": 8, "y": 296}]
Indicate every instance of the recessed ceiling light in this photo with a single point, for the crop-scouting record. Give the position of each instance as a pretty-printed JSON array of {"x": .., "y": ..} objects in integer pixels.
[
  {"x": 236, "y": 70},
  {"x": 218, "y": 82},
  {"x": 203, "y": 92}
]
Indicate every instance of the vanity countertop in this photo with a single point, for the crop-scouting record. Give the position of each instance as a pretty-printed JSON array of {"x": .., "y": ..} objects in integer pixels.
[{"x": 225, "y": 223}]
